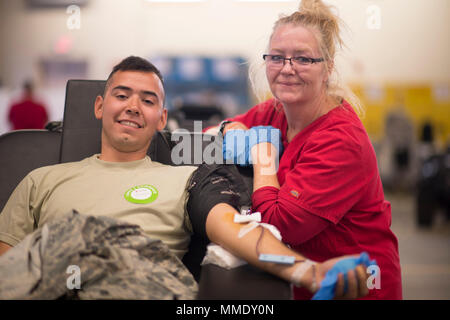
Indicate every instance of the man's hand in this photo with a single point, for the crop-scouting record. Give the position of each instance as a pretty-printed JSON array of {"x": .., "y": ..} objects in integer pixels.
[{"x": 356, "y": 286}]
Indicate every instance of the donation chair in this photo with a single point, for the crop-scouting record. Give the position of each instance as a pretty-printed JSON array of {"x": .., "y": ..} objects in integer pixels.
[{"x": 22, "y": 151}]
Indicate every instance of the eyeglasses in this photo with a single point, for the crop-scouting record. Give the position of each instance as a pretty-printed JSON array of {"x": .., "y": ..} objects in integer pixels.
[{"x": 277, "y": 60}]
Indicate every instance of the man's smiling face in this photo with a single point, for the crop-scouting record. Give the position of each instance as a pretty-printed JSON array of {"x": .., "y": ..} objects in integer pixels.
[{"x": 131, "y": 111}]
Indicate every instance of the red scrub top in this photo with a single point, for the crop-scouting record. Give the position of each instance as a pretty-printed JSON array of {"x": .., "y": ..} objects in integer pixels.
[{"x": 331, "y": 200}]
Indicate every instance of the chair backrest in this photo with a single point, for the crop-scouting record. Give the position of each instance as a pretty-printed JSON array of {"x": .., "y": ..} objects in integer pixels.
[{"x": 81, "y": 135}]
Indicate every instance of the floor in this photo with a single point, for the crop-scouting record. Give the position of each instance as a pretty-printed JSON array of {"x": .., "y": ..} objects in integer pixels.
[{"x": 424, "y": 253}]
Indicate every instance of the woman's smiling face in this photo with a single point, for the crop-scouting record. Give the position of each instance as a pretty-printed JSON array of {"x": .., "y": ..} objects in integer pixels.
[{"x": 293, "y": 83}]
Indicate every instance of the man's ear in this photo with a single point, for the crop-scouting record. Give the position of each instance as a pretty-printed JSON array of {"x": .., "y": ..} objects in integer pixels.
[
  {"x": 98, "y": 107},
  {"x": 163, "y": 120}
]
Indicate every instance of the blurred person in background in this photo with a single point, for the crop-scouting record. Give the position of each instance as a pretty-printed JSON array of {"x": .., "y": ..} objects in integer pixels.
[
  {"x": 326, "y": 197},
  {"x": 27, "y": 113}
]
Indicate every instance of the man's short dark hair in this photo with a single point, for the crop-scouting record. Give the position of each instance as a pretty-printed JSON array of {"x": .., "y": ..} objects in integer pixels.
[{"x": 133, "y": 63}]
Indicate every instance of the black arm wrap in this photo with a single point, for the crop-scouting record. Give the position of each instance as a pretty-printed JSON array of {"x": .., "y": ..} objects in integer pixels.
[{"x": 211, "y": 185}]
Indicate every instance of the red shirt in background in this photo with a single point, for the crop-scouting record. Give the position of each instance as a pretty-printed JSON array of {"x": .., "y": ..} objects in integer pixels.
[
  {"x": 28, "y": 114},
  {"x": 331, "y": 200}
]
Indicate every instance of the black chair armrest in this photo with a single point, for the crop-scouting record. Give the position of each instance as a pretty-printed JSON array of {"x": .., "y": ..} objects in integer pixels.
[{"x": 242, "y": 283}]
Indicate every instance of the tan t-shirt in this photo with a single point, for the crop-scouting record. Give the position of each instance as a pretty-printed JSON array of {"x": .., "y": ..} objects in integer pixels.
[{"x": 141, "y": 192}]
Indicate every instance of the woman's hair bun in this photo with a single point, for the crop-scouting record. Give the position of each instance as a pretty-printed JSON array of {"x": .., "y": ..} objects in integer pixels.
[{"x": 311, "y": 5}]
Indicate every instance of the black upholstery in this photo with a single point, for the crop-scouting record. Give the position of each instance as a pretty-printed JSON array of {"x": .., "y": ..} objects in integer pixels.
[
  {"x": 242, "y": 283},
  {"x": 81, "y": 130},
  {"x": 24, "y": 150}
]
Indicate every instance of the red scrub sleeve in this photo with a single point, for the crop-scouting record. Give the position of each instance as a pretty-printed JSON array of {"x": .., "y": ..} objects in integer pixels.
[
  {"x": 331, "y": 175},
  {"x": 295, "y": 224},
  {"x": 263, "y": 114},
  {"x": 327, "y": 181}
]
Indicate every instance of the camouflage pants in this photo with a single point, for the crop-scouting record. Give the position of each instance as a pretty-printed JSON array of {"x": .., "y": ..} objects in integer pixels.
[{"x": 115, "y": 260}]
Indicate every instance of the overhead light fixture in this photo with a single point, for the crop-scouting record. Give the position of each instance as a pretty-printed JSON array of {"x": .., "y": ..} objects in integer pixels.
[{"x": 175, "y": 1}]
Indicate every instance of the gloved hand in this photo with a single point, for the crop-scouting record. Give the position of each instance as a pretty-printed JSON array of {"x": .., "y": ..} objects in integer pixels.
[
  {"x": 328, "y": 284},
  {"x": 238, "y": 143},
  {"x": 235, "y": 147}
]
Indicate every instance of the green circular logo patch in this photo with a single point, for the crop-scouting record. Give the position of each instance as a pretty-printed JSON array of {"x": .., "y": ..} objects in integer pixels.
[{"x": 141, "y": 194}]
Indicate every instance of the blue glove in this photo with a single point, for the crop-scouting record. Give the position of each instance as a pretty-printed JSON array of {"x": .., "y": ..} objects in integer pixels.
[
  {"x": 328, "y": 284},
  {"x": 235, "y": 147},
  {"x": 238, "y": 143}
]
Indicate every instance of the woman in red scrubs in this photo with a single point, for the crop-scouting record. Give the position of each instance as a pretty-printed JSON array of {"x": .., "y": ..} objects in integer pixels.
[{"x": 326, "y": 197}]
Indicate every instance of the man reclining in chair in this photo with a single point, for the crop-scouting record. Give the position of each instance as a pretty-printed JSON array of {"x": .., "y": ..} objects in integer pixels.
[{"x": 123, "y": 184}]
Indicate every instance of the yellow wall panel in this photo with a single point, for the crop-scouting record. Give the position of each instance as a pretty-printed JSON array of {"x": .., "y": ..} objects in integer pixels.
[{"x": 419, "y": 102}]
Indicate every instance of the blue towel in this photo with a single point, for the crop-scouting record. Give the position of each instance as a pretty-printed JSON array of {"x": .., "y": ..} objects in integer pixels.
[{"x": 328, "y": 284}]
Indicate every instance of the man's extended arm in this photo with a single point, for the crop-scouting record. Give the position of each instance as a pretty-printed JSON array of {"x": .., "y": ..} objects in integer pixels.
[{"x": 222, "y": 230}]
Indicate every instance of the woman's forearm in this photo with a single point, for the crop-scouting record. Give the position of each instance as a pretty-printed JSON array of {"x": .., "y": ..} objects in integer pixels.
[{"x": 265, "y": 165}]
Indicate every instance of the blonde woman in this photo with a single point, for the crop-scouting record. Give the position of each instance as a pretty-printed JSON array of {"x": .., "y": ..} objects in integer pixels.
[{"x": 326, "y": 197}]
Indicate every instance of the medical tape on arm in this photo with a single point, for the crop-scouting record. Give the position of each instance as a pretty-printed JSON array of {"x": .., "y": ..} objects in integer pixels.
[
  {"x": 296, "y": 277},
  {"x": 300, "y": 271},
  {"x": 254, "y": 222}
]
